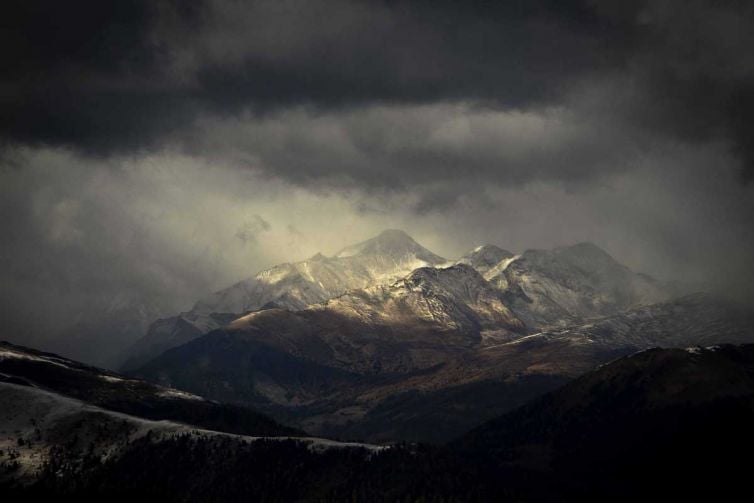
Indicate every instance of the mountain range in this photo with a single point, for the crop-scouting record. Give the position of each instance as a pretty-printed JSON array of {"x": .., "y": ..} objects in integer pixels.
[
  {"x": 385, "y": 335},
  {"x": 542, "y": 287}
]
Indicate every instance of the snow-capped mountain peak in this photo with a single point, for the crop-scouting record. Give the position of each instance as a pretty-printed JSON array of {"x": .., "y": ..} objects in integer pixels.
[
  {"x": 392, "y": 243},
  {"x": 381, "y": 260}
]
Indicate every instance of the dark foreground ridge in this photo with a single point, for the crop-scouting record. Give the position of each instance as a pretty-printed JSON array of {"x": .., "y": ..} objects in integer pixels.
[
  {"x": 669, "y": 423},
  {"x": 135, "y": 397}
]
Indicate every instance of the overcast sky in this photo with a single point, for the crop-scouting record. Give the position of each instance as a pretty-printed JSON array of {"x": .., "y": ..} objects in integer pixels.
[{"x": 152, "y": 152}]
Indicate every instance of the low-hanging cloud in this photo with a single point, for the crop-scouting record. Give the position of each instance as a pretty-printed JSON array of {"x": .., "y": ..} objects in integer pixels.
[{"x": 420, "y": 147}]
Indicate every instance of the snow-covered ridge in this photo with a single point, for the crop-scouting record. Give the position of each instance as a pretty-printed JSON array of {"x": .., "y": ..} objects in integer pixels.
[
  {"x": 31, "y": 413},
  {"x": 8, "y": 353}
]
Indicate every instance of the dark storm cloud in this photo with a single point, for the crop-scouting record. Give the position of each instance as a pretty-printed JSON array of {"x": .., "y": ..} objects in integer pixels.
[
  {"x": 115, "y": 76},
  {"x": 442, "y": 150},
  {"x": 78, "y": 73},
  {"x": 692, "y": 66},
  {"x": 346, "y": 52},
  {"x": 119, "y": 76}
]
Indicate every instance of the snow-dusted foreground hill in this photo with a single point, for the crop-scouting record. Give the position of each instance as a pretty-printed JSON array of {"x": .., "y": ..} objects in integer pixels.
[
  {"x": 39, "y": 415},
  {"x": 117, "y": 393},
  {"x": 35, "y": 422}
]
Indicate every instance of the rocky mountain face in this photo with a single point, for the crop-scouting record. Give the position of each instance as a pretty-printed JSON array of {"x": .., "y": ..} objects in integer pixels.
[
  {"x": 455, "y": 303},
  {"x": 565, "y": 285},
  {"x": 380, "y": 260}
]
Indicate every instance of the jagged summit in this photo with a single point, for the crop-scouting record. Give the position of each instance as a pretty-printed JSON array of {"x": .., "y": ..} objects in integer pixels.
[{"x": 391, "y": 243}]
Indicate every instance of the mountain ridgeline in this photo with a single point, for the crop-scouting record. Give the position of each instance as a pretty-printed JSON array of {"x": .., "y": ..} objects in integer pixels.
[{"x": 385, "y": 336}]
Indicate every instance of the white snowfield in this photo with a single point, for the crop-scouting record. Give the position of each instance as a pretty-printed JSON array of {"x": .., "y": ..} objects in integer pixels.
[{"x": 33, "y": 420}]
